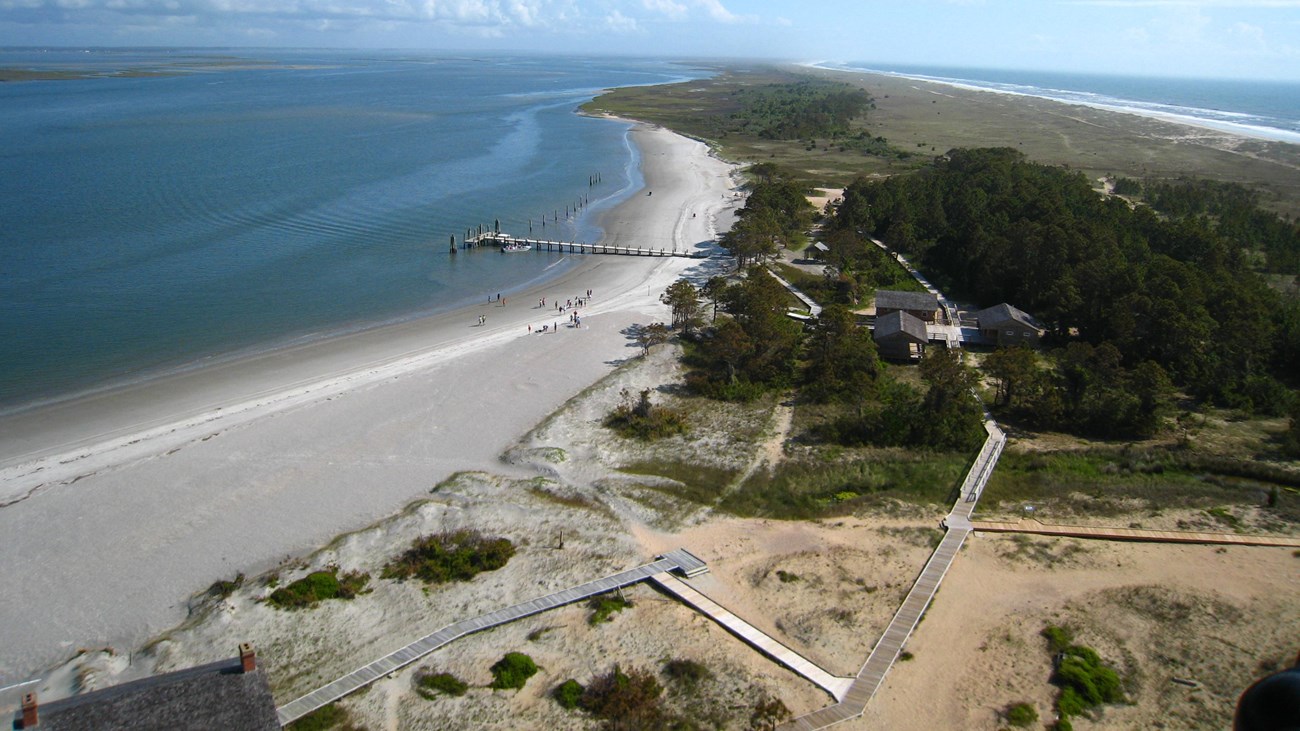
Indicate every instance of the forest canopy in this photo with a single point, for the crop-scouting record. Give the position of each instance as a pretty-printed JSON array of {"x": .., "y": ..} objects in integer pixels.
[{"x": 1181, "y": 291}]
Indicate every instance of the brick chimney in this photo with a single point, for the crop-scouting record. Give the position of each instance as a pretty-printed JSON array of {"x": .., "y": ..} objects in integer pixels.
[
  {"x": 30, "y": 716},
  {"x": 247, "y": 658}
]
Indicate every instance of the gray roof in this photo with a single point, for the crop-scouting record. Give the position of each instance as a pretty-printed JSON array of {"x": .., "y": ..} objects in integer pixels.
[
  {"x": 900, "y": 325},
  {"x": 895, "y": 300},
  {"x": 820, "y": 246},
  {"x": 995, "y": 316},
  {"x": 213, "y": 696}
]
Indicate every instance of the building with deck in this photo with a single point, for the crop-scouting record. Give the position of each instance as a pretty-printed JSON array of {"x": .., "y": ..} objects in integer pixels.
[
  {"x": 900, "y": 336},
  {"x": 1004, "y": 325},
  {"x": 923, "y": 306}
]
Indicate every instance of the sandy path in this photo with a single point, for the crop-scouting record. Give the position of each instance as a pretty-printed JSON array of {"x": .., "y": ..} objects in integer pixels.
[{"x": 122, "y": 505}]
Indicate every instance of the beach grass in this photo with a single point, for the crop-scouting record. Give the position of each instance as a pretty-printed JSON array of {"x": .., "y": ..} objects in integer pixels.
[
  {"x": 1116, "y": 482},
  {"x": 921, "y": 120},
  {"x": 692, "y": 108},
  {"x": 856, "y": 481}
]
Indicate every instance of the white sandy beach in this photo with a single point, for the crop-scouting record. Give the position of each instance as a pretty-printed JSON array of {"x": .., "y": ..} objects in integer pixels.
[{"x": 117, "y": 508}]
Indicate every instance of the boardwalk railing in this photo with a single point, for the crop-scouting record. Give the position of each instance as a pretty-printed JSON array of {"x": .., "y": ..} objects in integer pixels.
[
  {"x": 573, "y": 247},
  {"x": 678, "y": 560}
]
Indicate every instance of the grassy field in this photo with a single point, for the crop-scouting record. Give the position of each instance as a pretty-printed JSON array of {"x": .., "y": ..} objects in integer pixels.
[
  {"x": 693, "y": 108},
  {"x": 921, "y": 120}
]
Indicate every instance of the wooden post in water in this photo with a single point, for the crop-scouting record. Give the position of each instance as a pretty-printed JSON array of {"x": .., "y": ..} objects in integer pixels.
[{"x": 453, "y": 245}]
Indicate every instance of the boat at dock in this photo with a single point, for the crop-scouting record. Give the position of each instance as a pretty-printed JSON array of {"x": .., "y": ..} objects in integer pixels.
[{"x": 513, "y": 247}]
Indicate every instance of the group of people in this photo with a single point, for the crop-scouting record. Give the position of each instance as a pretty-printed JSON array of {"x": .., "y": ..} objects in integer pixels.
[
  {"x": 570, "y": 305},
  {"x": 575, "y": 320}
]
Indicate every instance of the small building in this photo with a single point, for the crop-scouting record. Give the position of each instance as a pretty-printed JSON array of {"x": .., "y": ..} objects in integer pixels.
[
  {"x": 229, "y": 694},
  {"x": 922, "y": 305},
  {"x": 900, "y": 336},
  {"x": 1004, "y": 325},
  {"x": 818, "y": 250}
]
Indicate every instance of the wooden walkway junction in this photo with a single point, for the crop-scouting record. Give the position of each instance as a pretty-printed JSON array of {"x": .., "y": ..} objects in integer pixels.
[
  {"x": 679, "y": 560},
  {"x": 752, "y": 635},
  {"x": 1134, "y": 534},
  {"x": 491, "y": 238},
  {"x": 883, "y": 656}
]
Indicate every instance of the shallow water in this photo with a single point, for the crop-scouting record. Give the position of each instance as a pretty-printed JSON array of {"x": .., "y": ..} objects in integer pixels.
[{"x": 152, "y": 224}]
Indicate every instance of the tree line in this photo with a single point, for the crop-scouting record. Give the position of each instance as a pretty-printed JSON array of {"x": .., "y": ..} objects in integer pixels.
[{"x": 799, "y": 110}]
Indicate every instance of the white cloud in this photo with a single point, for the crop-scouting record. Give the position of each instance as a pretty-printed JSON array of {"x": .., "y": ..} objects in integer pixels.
[
  {"x": 620, "y": 23},
  {"x": 719, "y": 13},
  {"x": 669, "y": 8},
  {"x": 1265, "y": 4}
]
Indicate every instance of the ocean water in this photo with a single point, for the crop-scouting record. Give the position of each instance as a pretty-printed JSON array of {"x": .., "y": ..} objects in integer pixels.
[
  {"x": 1263, "y": 109},
  {"x": 155, "y": 223}
]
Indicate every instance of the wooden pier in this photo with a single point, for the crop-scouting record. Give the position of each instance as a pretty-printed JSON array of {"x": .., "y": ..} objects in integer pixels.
[{"x": 493, "y": 238}]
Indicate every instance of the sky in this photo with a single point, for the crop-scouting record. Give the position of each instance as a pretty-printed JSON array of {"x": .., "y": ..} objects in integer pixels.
[{"x": 1257, "y": 39}]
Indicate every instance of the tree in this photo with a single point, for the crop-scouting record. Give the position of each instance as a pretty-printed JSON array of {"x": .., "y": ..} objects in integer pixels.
[
  {"x": 753, "y": 238},
  {"x": 651, "y": 335},
  {"x": 950, "y": 417},
  {"x": 842, "y": 359},
  {"x": 1014, "y": 368},
  {"x": 684, "y": 299},
  {"x": 714, "y": 289}
]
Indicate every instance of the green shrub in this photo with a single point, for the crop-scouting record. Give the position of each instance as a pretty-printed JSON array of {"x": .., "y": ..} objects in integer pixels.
[
  {"x": 1021, "y": 715},
  {"x": 687, "y": 672},
  {"x": 325, "y": 717},
  {"x": 769, "y": 713},
  {"x": 319, "y": 586},
  {"x": 429, "y": 684},
  {"x": 450, "y": 556},
  {"x": 512, "y": 671},
  {"x": 223, "y": 589},
  {"x": 604, "y": 607},
  {"x": 1085, "y": 681},
  {"x": 1058, "y": 638},
  {"x": 786, "y": 577},
  {"x": 568, "y": 694},
  {"x": 631, "y": 699},
  {"x": 640, "y": 419}
]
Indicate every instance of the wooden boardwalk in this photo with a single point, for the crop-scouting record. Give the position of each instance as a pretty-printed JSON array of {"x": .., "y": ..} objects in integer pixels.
[
  {"x": 753, "y": 636},
  {"x": 373, "y": 671},
  {"x": 1134, "y": 534},
  {"x": 813, "y": 308},
  {"x": 883, "y": 656},
  {"x": 573, "y": 247}
]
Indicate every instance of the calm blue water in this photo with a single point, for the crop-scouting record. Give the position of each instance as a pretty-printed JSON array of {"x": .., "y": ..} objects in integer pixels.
[
  {"x": 148, "y": 224},
  {"x": 1269, "y": 109}
]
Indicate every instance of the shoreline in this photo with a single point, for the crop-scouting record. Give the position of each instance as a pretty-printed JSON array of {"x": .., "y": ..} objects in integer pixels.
[
  {"x": 120, "y": 506},
  {"x": 1243, "y": 131}
]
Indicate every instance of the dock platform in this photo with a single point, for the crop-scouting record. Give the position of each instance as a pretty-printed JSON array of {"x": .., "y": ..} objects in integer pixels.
[{"x": 491, "y": 238}]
